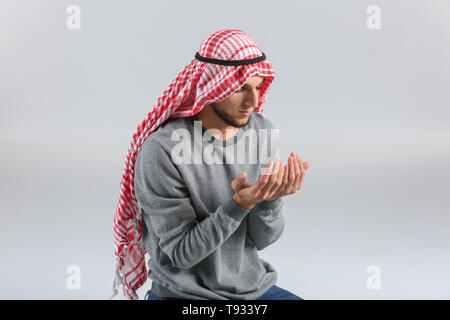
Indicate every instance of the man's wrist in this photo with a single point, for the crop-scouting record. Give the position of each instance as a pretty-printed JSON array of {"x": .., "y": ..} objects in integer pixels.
[{"x": 241, "y": 204}]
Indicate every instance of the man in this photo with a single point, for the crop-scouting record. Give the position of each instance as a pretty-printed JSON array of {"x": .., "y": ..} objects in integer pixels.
[{"x": 203, "y": 223}]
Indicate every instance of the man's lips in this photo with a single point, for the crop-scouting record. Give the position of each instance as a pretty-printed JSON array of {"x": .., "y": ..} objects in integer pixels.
[{"x": 245, "y": 112}]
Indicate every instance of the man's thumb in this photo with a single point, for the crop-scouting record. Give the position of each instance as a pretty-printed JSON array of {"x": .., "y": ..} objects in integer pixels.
[{"x": 240, "y": 179}]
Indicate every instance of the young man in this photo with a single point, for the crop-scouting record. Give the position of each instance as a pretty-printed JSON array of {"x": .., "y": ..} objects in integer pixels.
[{"x": 204, "y": 221}]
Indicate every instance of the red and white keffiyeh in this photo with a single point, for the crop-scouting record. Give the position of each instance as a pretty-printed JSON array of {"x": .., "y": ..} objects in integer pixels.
[{"x": 214, "y": 74}]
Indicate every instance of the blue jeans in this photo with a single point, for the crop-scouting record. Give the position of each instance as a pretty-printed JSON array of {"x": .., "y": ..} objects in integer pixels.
[
  {"x": 274, "y": 293},
  {"x": 277, "y": 293},
  {"x": 151, "y": 296}
]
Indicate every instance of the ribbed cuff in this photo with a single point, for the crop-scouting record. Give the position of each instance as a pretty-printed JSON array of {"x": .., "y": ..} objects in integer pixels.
[
  {"x": 234, "y": 210},
  {"x": 267, "y": 205}
]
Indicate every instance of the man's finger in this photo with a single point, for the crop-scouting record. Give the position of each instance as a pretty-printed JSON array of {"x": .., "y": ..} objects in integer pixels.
[
  {"x": 263, "y": 179},
  {"x": 302, "y": 167},
  {"x": 291, "y": 174},
  {"x": 285, "y": 177},
  {"x": 276, "y": 180},
  {"x": 273, "y": 177},
  {"x": 298, "y": 171},
  {"x": 279, "y": 182}
]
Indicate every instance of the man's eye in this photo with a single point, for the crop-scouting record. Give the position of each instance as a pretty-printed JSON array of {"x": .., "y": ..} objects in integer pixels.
[{"x": 240, "y": 89}]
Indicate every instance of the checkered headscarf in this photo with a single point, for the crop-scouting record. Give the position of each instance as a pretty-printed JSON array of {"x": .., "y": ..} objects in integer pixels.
[{"x": 225, "y": 61}]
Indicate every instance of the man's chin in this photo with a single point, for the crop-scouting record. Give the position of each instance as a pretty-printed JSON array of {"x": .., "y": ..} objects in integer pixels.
[
  {"x": 241, "y": 122},
  {"x": 236, "y": 122}
]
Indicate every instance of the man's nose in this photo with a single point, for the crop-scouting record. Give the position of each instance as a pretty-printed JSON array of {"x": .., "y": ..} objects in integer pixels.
[{"x": 252, "y": 98}]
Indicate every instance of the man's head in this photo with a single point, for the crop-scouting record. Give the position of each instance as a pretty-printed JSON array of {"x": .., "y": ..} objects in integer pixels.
[{"x": 236, "y": 109}]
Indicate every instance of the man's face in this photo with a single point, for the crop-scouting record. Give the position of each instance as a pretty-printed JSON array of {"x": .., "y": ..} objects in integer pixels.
[{"x": 237, "y": 108}]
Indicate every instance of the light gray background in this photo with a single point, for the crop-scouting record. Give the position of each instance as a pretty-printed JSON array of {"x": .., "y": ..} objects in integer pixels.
[{"x": 368, "y": 108}]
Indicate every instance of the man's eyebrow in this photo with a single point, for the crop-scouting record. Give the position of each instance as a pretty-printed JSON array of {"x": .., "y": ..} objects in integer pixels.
[{"x": 246, "y": 85}]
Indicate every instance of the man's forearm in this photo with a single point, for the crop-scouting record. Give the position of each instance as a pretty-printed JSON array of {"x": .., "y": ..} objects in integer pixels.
[{"x": 265, "y": 223}]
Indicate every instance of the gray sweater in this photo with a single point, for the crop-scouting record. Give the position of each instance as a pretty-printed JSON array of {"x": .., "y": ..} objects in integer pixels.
[{"x": 202, "y": 244}]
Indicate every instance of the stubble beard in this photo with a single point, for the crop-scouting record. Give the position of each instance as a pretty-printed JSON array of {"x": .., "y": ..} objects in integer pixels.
[{"x": 228, "y": 120}]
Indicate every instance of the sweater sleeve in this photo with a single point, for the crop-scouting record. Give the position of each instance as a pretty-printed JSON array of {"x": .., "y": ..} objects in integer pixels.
[
  {"x": 168, "y": 210},
  {"x": 265, "y": 223}
]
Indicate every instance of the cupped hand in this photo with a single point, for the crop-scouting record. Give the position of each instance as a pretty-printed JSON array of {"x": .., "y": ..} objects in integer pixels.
[
  {"x": 292, "y": 180},
  {"x": 276, "y": 181}
]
